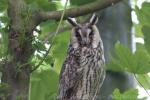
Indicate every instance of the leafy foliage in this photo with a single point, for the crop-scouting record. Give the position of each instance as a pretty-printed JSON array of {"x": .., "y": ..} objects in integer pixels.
[
  {"x": 44, "y": 83},
  {"x": 46, "y": 77},
  {"x": 143, "y": 17},
  {"x": 59, "y": 49},
  {"x": 128, "y": 95},
  {"x": 46, "y": 28},
  {"x": 42, "y": 4},
  {"x": 143, "y": 13},
  {"x": 139, "y": 62},
  {"x": 3, "y": 5},
  {"x": 3, "y": 88},
  {"x": 125, "y": 60},
  {"x": 3, "y": 42},
  {"x": 146, "y": 31},
  {"x": 78, "y": 2},
  {"x": 4, "y": 23},
  {"x": 144, "y": 79}
]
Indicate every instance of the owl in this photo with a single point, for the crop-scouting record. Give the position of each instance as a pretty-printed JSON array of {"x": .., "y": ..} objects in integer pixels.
[{"x": 83, "y": 72}]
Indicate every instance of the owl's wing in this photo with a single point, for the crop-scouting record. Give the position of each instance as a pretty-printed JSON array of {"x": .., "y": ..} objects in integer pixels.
[
  {"x": 97, "y": 87},
  {"x": 69, "y": 77}
]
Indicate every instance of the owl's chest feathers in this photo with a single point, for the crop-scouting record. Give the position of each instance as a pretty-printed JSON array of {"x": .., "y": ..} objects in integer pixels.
[
  {"x": 86, "y": 64},
  {"x": 84, "y": 57}
]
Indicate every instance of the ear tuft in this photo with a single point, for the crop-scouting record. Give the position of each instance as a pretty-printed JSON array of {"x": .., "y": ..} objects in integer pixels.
[
  {"x": 72, "y": 21},
  {"x": 94, "y": 19}
]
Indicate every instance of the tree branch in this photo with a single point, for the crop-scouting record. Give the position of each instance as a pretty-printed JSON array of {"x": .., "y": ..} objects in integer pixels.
[
  {"x": 78, "y": 11},
  {"x": 57, "y": 30}
]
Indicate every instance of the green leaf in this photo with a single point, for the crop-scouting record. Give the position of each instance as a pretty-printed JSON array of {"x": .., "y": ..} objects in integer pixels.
[
  {"x": 50, "y": 60},
  {"x": 128, "y": 95},
  {"x": 143, "y": 13},
  {"x": 39, "y": 46},
  {"x": 4, "y": 42},
  {"x": 142, "y": 59},
  {"x": 115, "y": 65},
  {"x": 39, "y": 57},
  {"x": 47, "y": 27},
  {"x": 44, "y": 85},
  {"x": 4, "y": 19},
  {"x": 47, "y": 5},
  {"x": 59, "y": 4},
  {"x": 3, "y": 5},
  {"x": 144, "y": 79},
  {"x": 124, "y": 60},
  {"x": 80, "y": 2},
  {"x": 138, "y": 31},
  {"x": 59, "y": 49},
  {"x": 30, "y": 1},
  {"x": 146, "y": 31},
  {"x": 3, "y": 87},
  {"x": 143, "y": 17},
  {"x": 33, "y": 6}
]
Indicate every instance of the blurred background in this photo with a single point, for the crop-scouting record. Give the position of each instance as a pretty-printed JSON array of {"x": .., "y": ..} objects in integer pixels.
[{"x": 125, "y": 31}]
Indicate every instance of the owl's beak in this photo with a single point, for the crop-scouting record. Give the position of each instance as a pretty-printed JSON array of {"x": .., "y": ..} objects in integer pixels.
[{"x": 84, "y": 41}]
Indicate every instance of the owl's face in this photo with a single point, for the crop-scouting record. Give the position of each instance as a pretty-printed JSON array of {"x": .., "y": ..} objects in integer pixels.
[{"x": 85, "y": 35}]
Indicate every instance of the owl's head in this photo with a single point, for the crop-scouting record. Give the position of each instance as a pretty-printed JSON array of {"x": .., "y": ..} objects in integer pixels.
[{"x": 85, "y": 35}]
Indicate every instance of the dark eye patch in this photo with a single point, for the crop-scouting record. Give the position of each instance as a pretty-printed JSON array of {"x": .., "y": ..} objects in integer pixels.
[
  {"x": 77, "y": 34},
  {"x": 91, "y": 33}
]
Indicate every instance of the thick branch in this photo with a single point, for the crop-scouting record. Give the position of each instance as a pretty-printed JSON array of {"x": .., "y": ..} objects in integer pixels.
[
  {"x": 78, "y": 11},
  {"x": 15, "y": 7}
]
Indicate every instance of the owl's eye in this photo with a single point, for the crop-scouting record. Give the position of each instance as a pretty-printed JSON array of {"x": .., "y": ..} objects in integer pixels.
[
  {"x": 91, "y": 33},
  {"x": 78, "y": 36},
  {"x": 77, "y": 33}
]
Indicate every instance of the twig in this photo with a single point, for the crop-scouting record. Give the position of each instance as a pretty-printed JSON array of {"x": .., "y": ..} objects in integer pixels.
[{"x": 57, "y": 30}]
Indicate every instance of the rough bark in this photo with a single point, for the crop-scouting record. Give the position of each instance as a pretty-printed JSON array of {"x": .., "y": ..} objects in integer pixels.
[
  {"x": 17, "y": 81},
  {"x": 16, "y": 71}
]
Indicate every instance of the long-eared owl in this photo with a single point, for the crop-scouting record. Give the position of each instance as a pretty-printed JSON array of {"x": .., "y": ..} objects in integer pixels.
[{"x": 83, "y": 73}]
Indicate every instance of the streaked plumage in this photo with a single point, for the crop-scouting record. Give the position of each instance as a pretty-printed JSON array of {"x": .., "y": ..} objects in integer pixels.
[{"x": 83, "y": 71}]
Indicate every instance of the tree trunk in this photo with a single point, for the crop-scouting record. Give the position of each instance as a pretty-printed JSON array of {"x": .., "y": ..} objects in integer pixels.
[
  {"x": 17, "y": 81},
  {"x": 16, "y": 71}
]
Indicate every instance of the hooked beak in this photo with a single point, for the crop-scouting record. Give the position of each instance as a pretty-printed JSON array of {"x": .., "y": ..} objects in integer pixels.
[{"x": 84, "y": 41}]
